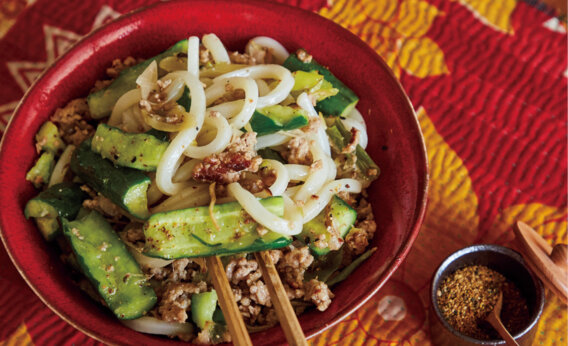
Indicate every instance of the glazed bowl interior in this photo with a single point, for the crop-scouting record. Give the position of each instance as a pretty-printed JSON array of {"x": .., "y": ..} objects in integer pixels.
[{"x": 395, "y": 143}]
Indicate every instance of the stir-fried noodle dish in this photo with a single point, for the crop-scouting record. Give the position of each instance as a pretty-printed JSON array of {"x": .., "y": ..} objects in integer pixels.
[{"x": 200, "y": 151}]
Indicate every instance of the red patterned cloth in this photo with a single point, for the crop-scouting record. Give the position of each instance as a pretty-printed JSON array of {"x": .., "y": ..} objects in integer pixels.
[{"x": 489, "y": 82}]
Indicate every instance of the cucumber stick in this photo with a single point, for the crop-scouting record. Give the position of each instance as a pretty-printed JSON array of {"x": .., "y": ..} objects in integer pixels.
[
  {"x": 135, "y": 150},
  {"x": 342, "y": 217},
  {"x": 340, "y": 104},
  {"x": 203, "y": 307},
  {"x": 192, "y": 233},
  {"x": 48, "y": 139},
  {"x": 126, "y": 187},
  {"x": 106, "y": 262},
  {"x": 276, "y": 118},
  {"x": 59, "y": 201},
  {"x": 40, "y": 173},
  {"x": 102, "y": 101}
]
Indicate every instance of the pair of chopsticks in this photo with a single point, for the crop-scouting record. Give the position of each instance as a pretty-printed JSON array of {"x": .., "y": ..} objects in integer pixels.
[{"x": 284, "y": 311}]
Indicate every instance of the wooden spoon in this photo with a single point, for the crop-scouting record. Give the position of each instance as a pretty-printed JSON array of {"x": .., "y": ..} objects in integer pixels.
[
  {"x": 494, "y": 318},
  {"x": 549, "y": 264}
]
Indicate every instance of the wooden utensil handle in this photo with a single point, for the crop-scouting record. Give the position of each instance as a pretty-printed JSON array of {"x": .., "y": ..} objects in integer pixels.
[
  {"x": 286, "y": 315},
  {"x": 227, "y": 302}
]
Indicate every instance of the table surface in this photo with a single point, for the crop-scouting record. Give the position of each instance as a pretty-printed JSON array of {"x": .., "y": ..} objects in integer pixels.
[{"x": 489, "y": 82}]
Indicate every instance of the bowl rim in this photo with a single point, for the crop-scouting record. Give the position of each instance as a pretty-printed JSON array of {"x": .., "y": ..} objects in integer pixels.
[
  {"x": 476, "y": 249},
  {"x": 421, "y": 193}
]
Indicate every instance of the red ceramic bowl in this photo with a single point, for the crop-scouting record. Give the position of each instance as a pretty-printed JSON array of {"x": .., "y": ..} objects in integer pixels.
[{"x": 395, "y": 142}]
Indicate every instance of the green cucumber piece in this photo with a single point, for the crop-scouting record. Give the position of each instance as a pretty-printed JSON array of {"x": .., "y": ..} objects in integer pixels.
[
  {"x": 135, "y": 150},
  {"x": 345, "y": 272},
  {"x": 340, "y": 104},
  {"x": 107, "y": 263},
  {"x": 126, "y": 187},
  {"x": 306, "y": 80},
  {"x": 203, "y": 307},
  {"x": 342, "y": 216},
  {"x": 48, "y": 138},
  {"x": 39, "y": 174},
  {"x": 271, "y": 154},
  {"x": 185, "y": 99},
  {"x": 340, "y": 138},
  {"x": 191, "y": 232},
  {"x": 101, "y": 102},
  {"x": 276, "y": 118},
  {"x": 59, "y": 201}
]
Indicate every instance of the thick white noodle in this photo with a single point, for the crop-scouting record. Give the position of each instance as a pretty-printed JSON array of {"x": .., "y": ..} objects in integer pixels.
[
  {"x": 228, "y": 109},
  {"x": 363, "y": 138},
  {"x": 291, "y": 191},
  {"x": 218, "y": 144},
  {"x": 62, "y": 166},
  {"x": 219, "y": 88},
  {"x": 315, "y": 205},
  {"x": 184, "y": 171},
  {"x": 172, "y": 157},
  {"x": 154, "y": 194},
  {"x": 276, "y": 95},
  {"x": 263, "y": 88},
  {"x": 260, "y": 214},
  {"x": 355, "y": 119},
  {"x": 216, "y": 48},
  {"x": 305, "y": 103},
  {"x": 271, "y": 140},
  {"x": 278, "y": 51},
  {"x": 193, "y": 195},
  {"x": 317, "y": 177},
  {"x": 152, "y": 325},
  {"x": 147, "y": 79},
  {"x": 193, "y": 55},
  {"x": 126, "y": 101},
  {"x": 144, "y": 260},
  {"x": 297, "y": 172},
  {"x": 281, "y": 183}
]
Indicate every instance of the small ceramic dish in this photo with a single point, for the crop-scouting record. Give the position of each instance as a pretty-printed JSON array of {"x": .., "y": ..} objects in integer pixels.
[{"x": 503, "y": 260}]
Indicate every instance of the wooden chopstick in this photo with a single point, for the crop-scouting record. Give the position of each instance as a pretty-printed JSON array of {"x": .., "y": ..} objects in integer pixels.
[
  {"x": 284, "y": 311},
  {"x": 233, "y": 316}
]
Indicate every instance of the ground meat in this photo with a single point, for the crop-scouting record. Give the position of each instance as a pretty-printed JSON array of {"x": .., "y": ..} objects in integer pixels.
[
  {"x": 294, "y": 264},
  {"x": 259, "y": 293},
  {"x": 204, "y": 337},
  {"x": 119, "y": 65},
  {"x": 275, "y": 255},
  {"x": 228, "y": 166},
  {"x": 179, "y": 271},
  {"x": 204, "y": 56},
  {"x": 294, "y": 293},
  {"x": 158, "y": 273},
  {"x": 364, "y": 210},
  {"x": 357, "y": 240},
  {"x": 104, "y": 206},
  {"x": 298, "y": 151},
  {"x": 303, "y": 56},
  {"x": 238, "y": 269},
  {"x": 238, "y": 58},
  {"x": 135, "y": 234},
  {"x": 364, "y": 229},
  {"x": 72, "y": 121},
  {"x": 318, "y": 293},
  {"x": 176, "y": 300}
]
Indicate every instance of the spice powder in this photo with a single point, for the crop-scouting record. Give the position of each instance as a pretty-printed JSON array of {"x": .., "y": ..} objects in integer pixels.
[{"x": 467, "y": 296}]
